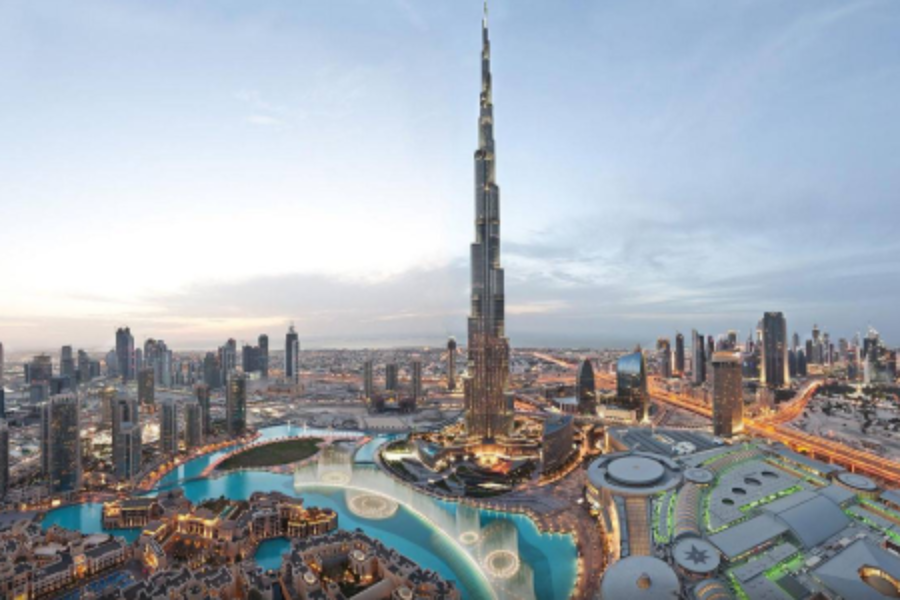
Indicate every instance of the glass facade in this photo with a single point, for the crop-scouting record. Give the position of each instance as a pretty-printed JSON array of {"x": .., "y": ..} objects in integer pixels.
[{"x": 631, "y": 384}]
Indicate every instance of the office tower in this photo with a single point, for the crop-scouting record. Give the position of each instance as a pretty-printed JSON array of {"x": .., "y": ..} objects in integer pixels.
[
  {"x": 107, "y": 401},
  {"x": 138, "y": 360},
  {"x": 193, "y": 425},
  {"x": 61, "y": 443},
  {"x": 417, "y": 381},
  {"x": 112, "y": 364},
  {"x": 125, "y": 354},
  {"x": 664, "y": 357},
  {"x": 795, "y": 342},
  {"x": 202, "y": 391},
  {"x": 698, "y": 363},
  {"x": 585, "y": 387},
  {"x": 632, "y": 392},
  {"x": 67, "y": 363},
  {"x": 41, "y": 369},
  {"x": 801, "y": 363},
  {"x": 249, "y": 358},
  {"x": 168, "y": 428},
  {"x": 844, "y": 350},
  {"x": 488, "y": 414},
  {"x": 774, "y": 370},
  {"x": 732, "y": 339},
  {"x": 211, "y": 371},
  {"x": 4, "y": 459},
  {"x": 228, "y": 358},
  {"x": 826, "y": 349},
  {"x": 264, "y": 356},
  {"x": 728, "y": 396},
  {"x": 292, "y": 356},
  {"x": 451, "y": 364},
  {"x": 679, "y": 355},
  {"x": 792, "y": 363},
  {"x": 236, "y": 405},
  {"x": 147, "y": 387},
  {"x": 84, "y": 367},
  {"x": 710, "y": 348},
  {"x": 368, "y": 380},
  {"x": 390, "y": 377},
  {"x": 127, "y": 438}
]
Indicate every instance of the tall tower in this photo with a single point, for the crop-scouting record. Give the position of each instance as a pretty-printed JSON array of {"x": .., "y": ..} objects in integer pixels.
[
  {"x": 264, "y": 356},
  {"x": 368, "y": 380},
  {"x": 168, "y": 428},
  {"x": 125, "y": 353},
  {"x": 728, "y": 398},
  {"x": 679, "y": 355},
  {"x": 292, "y": 356},
  {"x": 451, "y": 364},
  {"x": 236, "y": 405},
  {"x": 61, "y": 443},
  {"x": 126, "y": 435},
  {"x": 417, "y": 381},
  {"x": 774, "y": 370},
  {"x": 488, "y": 414}
]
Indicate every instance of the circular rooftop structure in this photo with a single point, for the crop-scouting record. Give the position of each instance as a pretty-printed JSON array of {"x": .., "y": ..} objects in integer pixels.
[
  {"x": 634, "y": 473},
  {"x": 699, "y": 476},
  {"x": 696, "y": 556},
  {"x": 859, "y": 483},
  {"x": 642, "y": 577}
]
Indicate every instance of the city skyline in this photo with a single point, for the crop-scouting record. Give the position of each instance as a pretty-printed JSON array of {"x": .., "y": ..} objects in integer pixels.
[{"x": 695, "y": 191}]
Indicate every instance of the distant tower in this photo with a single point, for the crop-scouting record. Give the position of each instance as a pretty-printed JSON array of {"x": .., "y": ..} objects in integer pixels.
[
  {"x": 390, "y": 377},
  {"x": 211, "y": 371},
  {"x": 775, "y": 367},
  {"x": 585, "y": 387},
  {"x": 202, "y": 391},
  {"x": 61, "y": 443},
  {"x": 679, "y": 355},
  {"x": 4, "y": 458},
  {"x": 632, "y": 392},
  {"x": 292, "y": 356},
  {"x": 193, "y": 425},
  {"x": 127, "y": 438},
  {"x": 417, "y": 381},
  {"x": 698, "y": 350},
  {"x": 146, "y": 387},
  {"x": 84, "y": 367},
  {"x": 236, "y": 405},
  {"x": 67, "y": 363},
  {"x": 451, "y": 364},
  {"x": 728, "y": 397},
  {"x": 168, "y": 428},
  {"x": 228, "y": 358},
  {"x": 664, "y": 357},
  {"x": 368, "y": 380},
  {"x": 125, "y": 354},
  {"x": 264, "y": 356}
]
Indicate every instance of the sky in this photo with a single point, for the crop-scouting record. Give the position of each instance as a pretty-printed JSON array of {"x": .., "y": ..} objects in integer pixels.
[{"x": 205, "y": 170}]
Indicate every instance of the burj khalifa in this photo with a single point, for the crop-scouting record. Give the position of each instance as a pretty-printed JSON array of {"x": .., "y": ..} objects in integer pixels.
[{"x": 488, "y": 412}]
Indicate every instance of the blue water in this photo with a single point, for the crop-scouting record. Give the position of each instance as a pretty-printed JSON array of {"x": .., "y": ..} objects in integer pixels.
[
  {"x": 552, "y": 557},
  {"x": 269, "y": 553}
]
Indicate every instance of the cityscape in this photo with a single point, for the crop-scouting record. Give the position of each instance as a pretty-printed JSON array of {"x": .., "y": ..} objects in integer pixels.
[{"x": 755, "y": 460}]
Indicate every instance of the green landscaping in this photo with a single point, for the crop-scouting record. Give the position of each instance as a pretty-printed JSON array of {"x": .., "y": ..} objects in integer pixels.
[{"x": 272, "y": 455}]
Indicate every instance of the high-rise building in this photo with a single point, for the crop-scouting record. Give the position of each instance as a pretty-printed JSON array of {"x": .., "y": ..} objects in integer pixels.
[
  {"x": 61, "y": 443},
  {"x": 250, "y": 358},
  {"x": 40, "y": 369},
  {"x": 368, "y": 380},
  {"x": 292, "y": 356},
  {"x": 107, "y": 401},
  {"x": 112, "y": 363},
  {"x": 664, "y": 357},
  {"x": 4, "y": 458},
  {"x": 67, "y": 363},
  {"x": 585, "y": 387},
  {"x": 417, "y": 381},
  {"x": 211, "y": 371},
  {"x": 84, "y": 367},
  {"x": 125, "y": 354},
  {"x": 795, "y": 342},
  {"x": 698, "y": 362},
  {"x": 228, "y": 358},
  {"x": 632, "y": 392},
  {"x": 488, "y": 413},
  {"x": 774, "y": 371},
  {"x": 391, "y": 378},
  {"x": 679, "y": 355},
  {"x": 728, "y": 396},
  {"x": 264, "y": 356},
  {"x": 193, "y": 425},
  {"x": 451, "y": 364},
  {"x": 127, "y": 438},
  {"x": 168, "y": 428},
  {"x": 147, "y": 387},
  {"x": 202, "y": 391},
  {"x": 236, "y": 405}
]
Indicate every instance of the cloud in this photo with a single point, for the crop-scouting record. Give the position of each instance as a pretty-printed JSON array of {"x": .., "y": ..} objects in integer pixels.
[{"x": 264, "y": 120}]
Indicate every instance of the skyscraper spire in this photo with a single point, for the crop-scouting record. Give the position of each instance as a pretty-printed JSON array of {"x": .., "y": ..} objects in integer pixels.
[{"x": 487, "y": 414}]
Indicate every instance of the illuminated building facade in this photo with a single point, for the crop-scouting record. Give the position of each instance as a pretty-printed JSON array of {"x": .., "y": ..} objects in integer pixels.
[
  {"x": 632, "y": 393},
  {"x": 728, "y": 396},
  {"x": 488, "y": 413},
  {"x": 61, "y": 443},
  {"x": 775, "y": 371}
]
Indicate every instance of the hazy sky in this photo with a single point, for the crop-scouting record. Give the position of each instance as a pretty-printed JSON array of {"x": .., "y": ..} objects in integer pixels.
[{"x": 201, "y": 170}]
